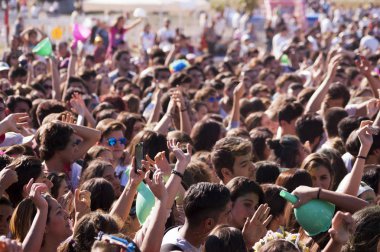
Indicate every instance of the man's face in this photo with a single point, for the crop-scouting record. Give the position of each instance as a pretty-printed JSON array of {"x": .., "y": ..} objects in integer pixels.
[
  {"x": 22, "y": 107},
  {"x": 243, "y": 166},
  {"x": 118, "y": 148},
  {"x": 124, "y": 62}
]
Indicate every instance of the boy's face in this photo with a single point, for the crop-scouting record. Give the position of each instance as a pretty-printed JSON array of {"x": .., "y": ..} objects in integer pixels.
[
  {"x": 118, "y": 148},
  {"x": 5, "y": 217},
  {"x": 244, "y": 207},
  {"x": 243, "y": 166}
]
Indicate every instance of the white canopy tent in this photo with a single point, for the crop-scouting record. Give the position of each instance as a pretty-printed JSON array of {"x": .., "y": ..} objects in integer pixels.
[{"x": 172, "y": 6}]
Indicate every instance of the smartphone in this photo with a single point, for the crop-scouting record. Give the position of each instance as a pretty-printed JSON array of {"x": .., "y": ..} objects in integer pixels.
[{"x": 139, "y": 156}]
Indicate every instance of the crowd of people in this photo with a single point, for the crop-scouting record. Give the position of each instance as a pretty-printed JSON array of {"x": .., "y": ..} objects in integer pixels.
[{"x": 107, "y": 149}]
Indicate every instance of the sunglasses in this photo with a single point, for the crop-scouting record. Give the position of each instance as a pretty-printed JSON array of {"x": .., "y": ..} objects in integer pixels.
[
  {"x": 113, "y": 141},
  {"x": 213, "y": 99}
]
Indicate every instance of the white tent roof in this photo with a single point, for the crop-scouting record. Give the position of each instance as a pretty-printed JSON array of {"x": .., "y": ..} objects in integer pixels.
[{"x": 148, "y": 5}]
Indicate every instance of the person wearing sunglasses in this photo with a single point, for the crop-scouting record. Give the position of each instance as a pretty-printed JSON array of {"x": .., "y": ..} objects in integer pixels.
[{"x": 113, "y": 138}]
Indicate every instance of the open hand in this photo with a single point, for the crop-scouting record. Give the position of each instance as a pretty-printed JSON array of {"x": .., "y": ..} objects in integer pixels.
[
  {"x": 77, "y": 104},
  {"x": 342, "y": 227},
  {"x": 255, "y": 228},
  {"x": 9, "y": 245},
  {"x": 183, "y": 159},
  {"x": 15, "y": 122},
  {"x": 8, "y": 176},
  {"x": 156, "y": 185}
]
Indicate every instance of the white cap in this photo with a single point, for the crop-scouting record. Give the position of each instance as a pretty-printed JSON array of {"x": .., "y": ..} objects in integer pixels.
[{"x": 3, "y": 66}]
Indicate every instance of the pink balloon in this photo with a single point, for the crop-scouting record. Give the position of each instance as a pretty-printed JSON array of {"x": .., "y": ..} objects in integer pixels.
[{"x": 81, "y": 33}]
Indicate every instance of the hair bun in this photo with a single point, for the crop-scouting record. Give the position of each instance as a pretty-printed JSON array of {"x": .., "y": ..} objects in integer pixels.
[{"x": 274, "y": 144}]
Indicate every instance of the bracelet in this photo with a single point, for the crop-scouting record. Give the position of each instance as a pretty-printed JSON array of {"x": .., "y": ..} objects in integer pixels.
[
  {"x": 362, "y": 157},
  {"x": 177, "y": 173},
  {"x": 319, "y": 192}
]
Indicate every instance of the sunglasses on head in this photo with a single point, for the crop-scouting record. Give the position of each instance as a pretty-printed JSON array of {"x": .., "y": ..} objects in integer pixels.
[{"x": 113, "y": 141}]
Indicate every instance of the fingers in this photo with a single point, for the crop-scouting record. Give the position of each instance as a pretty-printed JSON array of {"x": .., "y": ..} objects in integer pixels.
[
  {"x": 28, "y": 186},
  {"x": 267, "y": 221}
]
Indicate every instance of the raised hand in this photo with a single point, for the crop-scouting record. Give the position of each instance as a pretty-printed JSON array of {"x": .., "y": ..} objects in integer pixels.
[
  {"x": 239, "y": 90},
  {"x": 136, "y": 178},
  {"x": 9, "y": 245},
  {"x": 372, "y": 107},
  {"x": 35, "y": 194},
  {"x": 333, "y": 64},
  {"x": 342, "y": 227},
  {"x": 66, "y": 201},
  {"x": 256, "y": 227},
  {"x": 183, "y": 159},
  {"x": 15, "y": 122},
  {"x": 77, "y": 104},
  {"x": 364, "y": 66},
  {"x": 160, "y": 162},
  {"x": 365, "y": 137},
  {"x": 178, "y": 99},
  {"x": 68, "y": 118},
  {"x": 8, "y": 177},
  {"x": 156, "y": 185}
]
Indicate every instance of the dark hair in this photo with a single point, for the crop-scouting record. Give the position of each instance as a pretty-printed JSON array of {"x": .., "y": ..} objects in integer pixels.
[
  {"x": 48, "y": 107},
  {"x": 95, "y": 169},
  {"x": 56, "y": 179},
  {"x": 93, "y": 153},
  {"x": 205, "y": 200},
  {"x": 240, "y": 186},
  {"x": 309, "y": 127},
  {"x": 348, "y": 125},
  {"x": 17, "y": 72},
  {"x": 285, "y": 151},
  {"x": 367, "y": 233},
  {"x": 225, "y": 239},
  {"x": 278, "y": 246},
  {"x": 129, "y": 120},
  {"x": 205, "y": 134},
  {"x": 331, "y": 119},
  {"x": 226, "y": 150},
  {"x": 272, "y": 196},
  {"x": 251, "y": 106},
  {"x": 153, "y": 143},
  {"x": 53, "y": 137},
  {"x": 371, "y": 177},
  {"x": 177, "y": 79},
  {"x": 337, "y": 164},
  {"x": 26, "y": 168},
  {"x": 293, "y": 178},
  {"x": 266, "y": 172},
  {"x": 118, "y": 54},
  {"x": 289, "y": 111},
  {"x": 12, "y": 102},
  {"x": 5, "y": 160},
  {"x": 259, "y": 137},
  {"x": 102, "y": 193},
  {"x": 338, "y": 91}
]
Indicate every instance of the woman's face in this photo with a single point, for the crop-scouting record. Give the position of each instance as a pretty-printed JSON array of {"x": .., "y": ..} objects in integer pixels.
[
  {"x": 137, "y": 127},
  {"x": 58, "y": 217},
  {"x": 202, "y": 111},
  {"x": 110, "y": 176},
  {"x": 321, "y": 177},
  {"x": 39, "y": 68},
  {"x": 63, "y": 189},
  {"x": 244, "y": 207}
]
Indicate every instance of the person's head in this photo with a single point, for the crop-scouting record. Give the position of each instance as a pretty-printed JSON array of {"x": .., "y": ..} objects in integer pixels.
[
  {"x": 331, "y": 119},
  {"x": 102, "y": 193},
  {"x": 196, "y": 75},
  {"x": 366, "y": 234},
  {"x": 48, "y": 107},
  {"x": 208, "y": 95},
  {"x": 371, "y": 177},
  {"x": 337, "y": 96},
  {"x": 134, "y": 123},
  {"x": 58, "y": 140},
  {"x": 288, "y": 151},
  {"x": 18, "y": 104},
  {"x": 283, "y": 82},
  {"x": 205, "y": 133},
  {"x": 225, "y": 239},
  {"x": 259, "y": 137},
  {"x": 288, "y": 113},
  {"x": 27, "y": 168},
  {"x": 122, "y": 60},
  {"x": 246, "y": 197},
  {"x": 310, "y": 128},
  {"x": 6, "y": 211},
  {"x": 102, "y": 169},
  {"x": 153, "y": 143},
  {"x": 87, "y": 228},
  {"x": 180, "y": 79},
  {"x": 97, "y": 152},
  {"x": 132, "y": 103},
  {"x": 112, "y": 136},
  {"x": 18, "y": 75},
  {"x": 60, "y": 186},
  {"x": 354, "y": 77},
  {"x": 39, "y": 68},
  {"x": 266, "y": 172},
  {"x": 279, "y": 246},
  {"x": 206, "y": 205},
  {"x": 293, "y": 178},
  {"x": 347, "y": 125},
  {"x": 276, "y": 203},
  {"x": 320, "y": 170},
  {"x": 200, "y": 109},
  {"x": 232, "y": 157},
  {"x": 57, "y": 229},
  {"x": 337, "y": 164},
  {"x": 89, "y": 78}
]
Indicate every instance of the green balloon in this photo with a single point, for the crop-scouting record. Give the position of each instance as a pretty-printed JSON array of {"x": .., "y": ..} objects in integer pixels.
[
  {"x": 144, "y": 202},
  {"x": 43, "y": 48},
  {"x": 315, "y": 216}
]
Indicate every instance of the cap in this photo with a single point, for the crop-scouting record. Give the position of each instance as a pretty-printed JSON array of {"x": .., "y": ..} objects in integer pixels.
[
  {"x": 363, "y": 188},
  {"x": 4, "y": 66}
]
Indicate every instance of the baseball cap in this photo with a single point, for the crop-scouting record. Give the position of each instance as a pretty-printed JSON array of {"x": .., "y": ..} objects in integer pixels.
[{"x": 4, "y": 66}]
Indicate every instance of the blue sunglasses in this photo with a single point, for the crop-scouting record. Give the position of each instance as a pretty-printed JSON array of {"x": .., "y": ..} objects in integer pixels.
[
  {"x": 113, "y": 141},
  {"x": 213, "y": 99}
]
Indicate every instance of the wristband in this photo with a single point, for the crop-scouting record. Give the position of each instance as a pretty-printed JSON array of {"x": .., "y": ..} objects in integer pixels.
[
  {"x": 319, "y": 192},
  {"x": 177, "y": 173},
  {"x": 362, "y": 157}
]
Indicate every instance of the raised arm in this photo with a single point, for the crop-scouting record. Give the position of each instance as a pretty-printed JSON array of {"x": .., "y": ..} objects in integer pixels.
[
  {"x": 365, "y": 69},
  {"x": 56, "y": 93},
  {"x": 35, "y": 235},
  {"x": 163, "y": 125},
  {"x": 314, "y": 104},
  {"x": 81, "y": 109},
  {"x": 342, "y": 227},
  {"x": 134, "y": 24},
  {"x": 71, "y": 69},
  {"x": 352, "y": 181},
  {"x": 185, "y": 123},
  {"x": 156, "y": 100},
  {"x": 155, "y": 232},
  {"x": 235, "y": 112},
  {"x": 343, "y": 201}
]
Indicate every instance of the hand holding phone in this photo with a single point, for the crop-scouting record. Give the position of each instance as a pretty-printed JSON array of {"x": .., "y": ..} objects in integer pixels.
[{"x": 139, "y": 156}]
